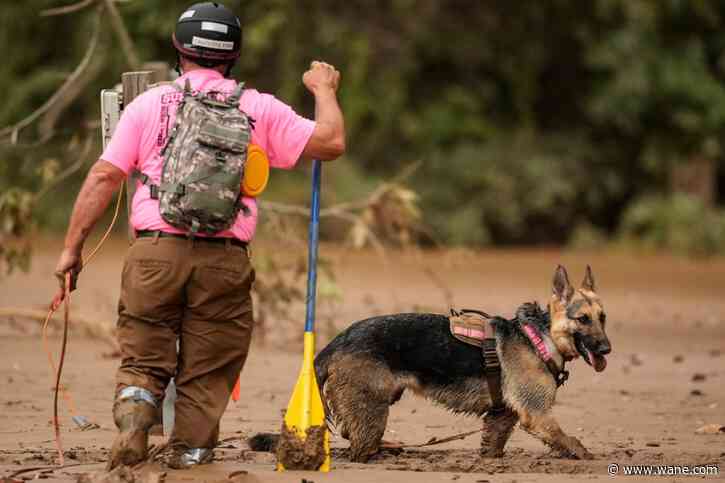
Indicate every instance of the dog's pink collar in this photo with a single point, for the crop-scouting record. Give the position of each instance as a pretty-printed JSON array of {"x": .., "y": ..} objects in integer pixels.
[
  {"x": 537, "y": 340},
  {"x": 535, "y": 337}
]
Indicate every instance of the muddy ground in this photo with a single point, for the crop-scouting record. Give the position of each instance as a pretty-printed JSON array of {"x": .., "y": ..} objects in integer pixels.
[{"x": 665, "y": 378}]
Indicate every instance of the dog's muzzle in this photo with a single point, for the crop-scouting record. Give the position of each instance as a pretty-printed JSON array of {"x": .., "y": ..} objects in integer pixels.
[{"x": 592, "y": 351}]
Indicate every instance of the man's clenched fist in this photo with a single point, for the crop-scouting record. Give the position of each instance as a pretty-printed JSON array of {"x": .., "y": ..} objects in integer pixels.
[{"x": 321, "y": 76}]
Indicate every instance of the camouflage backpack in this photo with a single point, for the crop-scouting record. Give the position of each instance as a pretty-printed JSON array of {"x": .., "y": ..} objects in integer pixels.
[{"x": 200, "y": 188}]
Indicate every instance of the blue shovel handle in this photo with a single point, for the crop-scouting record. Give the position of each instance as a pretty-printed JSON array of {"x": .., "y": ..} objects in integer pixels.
[{"x": 313, "y": 244}]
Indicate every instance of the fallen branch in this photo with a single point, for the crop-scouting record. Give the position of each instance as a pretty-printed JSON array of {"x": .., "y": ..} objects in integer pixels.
[
  {"x": 66, "y": 9},
  {"x": 336, "y": 210},
  {"x": 432, "y": 442},
  {"x": 70, "y": 171},
  {"x": 119, "y": 27},
  {"x": 378, "y": 193},
  {"x": 353, "y": 212},
  {"x": 341, "y": 212},
  {"x": 14, "y": 131}
]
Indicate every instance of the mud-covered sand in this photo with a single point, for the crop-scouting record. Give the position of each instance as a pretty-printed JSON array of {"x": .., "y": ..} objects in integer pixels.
[
  {"x": 665, "y": 377},
  {"x": 295, "y": 453}
]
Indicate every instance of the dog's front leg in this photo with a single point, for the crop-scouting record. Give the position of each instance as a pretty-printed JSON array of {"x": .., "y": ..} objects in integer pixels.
[
  {"x": 544, "y": 427},
  {"x": 497, "y": 429}
]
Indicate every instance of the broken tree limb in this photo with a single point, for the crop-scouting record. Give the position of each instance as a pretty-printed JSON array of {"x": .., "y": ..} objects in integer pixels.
[
  {"x": 60, "y": 178},
  {"x": 119, "y": 27},
  {"x": 14, "y": 131},
  {"x": 75, "y": 7},
  {"x": 68, "y": 94},
  {"x": 348, "y": 207},
  {"x": 388, "y": 204},
  {"x": 431, "y": 442}
]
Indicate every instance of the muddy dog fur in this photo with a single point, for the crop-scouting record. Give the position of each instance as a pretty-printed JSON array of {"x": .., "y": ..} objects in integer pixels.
[{"x": 368, "y": 366}]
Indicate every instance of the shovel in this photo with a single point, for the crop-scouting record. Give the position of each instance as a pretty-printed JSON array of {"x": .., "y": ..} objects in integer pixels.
[{"x": 305, "y": 441}]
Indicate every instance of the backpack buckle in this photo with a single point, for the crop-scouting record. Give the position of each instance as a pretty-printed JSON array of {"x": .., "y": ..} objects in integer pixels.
[{"x": 154, "y": 190}]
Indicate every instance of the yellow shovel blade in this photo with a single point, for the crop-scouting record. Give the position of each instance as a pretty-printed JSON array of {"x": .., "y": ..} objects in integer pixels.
[{"x": 305, "y": 407}]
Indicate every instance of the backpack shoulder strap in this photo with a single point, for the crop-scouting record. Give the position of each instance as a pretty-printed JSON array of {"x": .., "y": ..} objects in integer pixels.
[
  {"x": 236, "y": 94},
  {"x": 186, "y": 90}
]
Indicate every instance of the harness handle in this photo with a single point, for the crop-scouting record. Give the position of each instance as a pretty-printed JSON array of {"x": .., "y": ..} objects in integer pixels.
[{"x": 479, "y": 312}]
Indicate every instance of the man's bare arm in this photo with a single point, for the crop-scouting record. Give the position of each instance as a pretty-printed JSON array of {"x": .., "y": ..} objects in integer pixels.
[
  {"x": 102, "y": 182},
  {"x": 328, "y": 139}
]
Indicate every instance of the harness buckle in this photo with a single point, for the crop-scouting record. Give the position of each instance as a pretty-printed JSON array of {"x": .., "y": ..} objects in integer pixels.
[
  {"x": 496, "y": 409},
  {"x": 561, "y": 378},
  {"x": 154, "y": 190}
]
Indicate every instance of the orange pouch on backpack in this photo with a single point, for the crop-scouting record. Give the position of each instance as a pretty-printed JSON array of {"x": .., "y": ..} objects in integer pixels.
[{"x": 256, "y": 171}]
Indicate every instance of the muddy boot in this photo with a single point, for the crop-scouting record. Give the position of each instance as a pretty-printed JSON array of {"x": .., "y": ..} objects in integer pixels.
[
  {"x": 186, "y": 458},
  {"x": 134, "y": 413}
]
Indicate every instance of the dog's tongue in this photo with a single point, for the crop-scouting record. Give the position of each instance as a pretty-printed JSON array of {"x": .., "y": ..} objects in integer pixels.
[{"x": 598, "y": 362}]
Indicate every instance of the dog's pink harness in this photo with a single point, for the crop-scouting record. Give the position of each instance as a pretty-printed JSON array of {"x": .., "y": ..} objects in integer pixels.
[
  {"x": 468, "y": 332},
  {"x": 480, "y": 333}
]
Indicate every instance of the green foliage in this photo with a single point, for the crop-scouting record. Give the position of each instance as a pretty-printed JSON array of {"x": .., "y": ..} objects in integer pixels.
[
  {"x": 530, "y": 118},
  {"x": 518, "y": 189},
  {"x": 15, "y": 223},
  {"x": 678, "y": 223},
  {"x": 586, "y": 236},
  {"x": 660, "y": 77},
  {"x": 16, "y": 207}
]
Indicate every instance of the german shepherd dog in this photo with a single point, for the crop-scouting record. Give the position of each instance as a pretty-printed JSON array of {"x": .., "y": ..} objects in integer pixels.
[{"x": 367, "y": 367}]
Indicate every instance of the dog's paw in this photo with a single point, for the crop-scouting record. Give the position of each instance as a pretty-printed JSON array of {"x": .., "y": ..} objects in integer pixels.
[
  {"x": 391, "y": 444},
  {"x": 580, "y": 452},
  {"x": 577, "y": 454},
  {"x": 585, "y": 455},
  {"x": 575, "y": 450}
]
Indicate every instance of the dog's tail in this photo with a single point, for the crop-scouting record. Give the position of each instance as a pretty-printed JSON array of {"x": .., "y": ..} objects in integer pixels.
[{"x": 266, "y": 442}]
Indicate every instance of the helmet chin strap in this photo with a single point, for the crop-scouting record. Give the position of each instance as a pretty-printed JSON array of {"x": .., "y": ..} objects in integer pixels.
[
  {"x": 230, "y": 66},
  {"x": 177, "y": 67}
]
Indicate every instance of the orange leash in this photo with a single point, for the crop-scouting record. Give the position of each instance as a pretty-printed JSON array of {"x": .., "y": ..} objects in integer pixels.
[
  {"x": 54, "y": 306},
  {"x": 65, "y": 300}
]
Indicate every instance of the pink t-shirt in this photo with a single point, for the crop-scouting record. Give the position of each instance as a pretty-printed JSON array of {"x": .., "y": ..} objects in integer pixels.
[{"x": 142, "y": 133}]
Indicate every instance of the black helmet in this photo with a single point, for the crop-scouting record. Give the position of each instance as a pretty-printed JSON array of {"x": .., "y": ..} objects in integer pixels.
[{"x": 209, "y": 31}]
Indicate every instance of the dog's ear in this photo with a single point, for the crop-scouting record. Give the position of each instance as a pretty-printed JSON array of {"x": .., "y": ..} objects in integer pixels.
[
  {"x": 588, "y": 283},
  {"x": 562, "y": 288}
]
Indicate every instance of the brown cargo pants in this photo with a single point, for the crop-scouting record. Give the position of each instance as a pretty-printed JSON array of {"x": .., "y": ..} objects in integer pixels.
[{"x": 199, "y": 293}]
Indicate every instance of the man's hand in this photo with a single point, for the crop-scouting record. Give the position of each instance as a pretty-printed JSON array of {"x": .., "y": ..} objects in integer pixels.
[
  {"x": 328, "y": 139},
  {"x": 321, "y": 76},
  {"x": 70, "y": 262}
]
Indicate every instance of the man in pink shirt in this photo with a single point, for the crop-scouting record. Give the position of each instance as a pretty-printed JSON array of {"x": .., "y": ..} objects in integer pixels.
[{"x": 194, "y": 290}]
